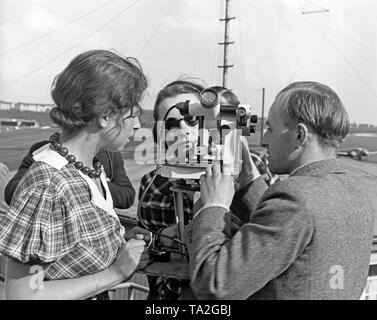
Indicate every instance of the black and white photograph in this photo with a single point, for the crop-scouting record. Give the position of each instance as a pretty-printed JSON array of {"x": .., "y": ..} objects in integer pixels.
[{"x": 188, "y": 150}]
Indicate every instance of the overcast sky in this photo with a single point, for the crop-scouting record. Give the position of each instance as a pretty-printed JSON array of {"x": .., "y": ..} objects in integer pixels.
[{"x": 275, "y": 44}]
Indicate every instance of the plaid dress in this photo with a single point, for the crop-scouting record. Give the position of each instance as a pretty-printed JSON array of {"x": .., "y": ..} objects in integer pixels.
[{"x": 55, "y": 221}]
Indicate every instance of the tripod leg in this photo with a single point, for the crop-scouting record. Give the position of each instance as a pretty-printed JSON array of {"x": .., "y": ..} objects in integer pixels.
[{"x": 179, "y": 214}]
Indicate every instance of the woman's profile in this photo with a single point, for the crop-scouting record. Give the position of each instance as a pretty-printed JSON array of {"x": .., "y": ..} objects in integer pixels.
[{"x": 61, "y": 219}]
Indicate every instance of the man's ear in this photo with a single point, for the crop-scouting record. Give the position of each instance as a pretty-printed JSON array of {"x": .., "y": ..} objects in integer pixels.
[{"x": 302, "y": 133}]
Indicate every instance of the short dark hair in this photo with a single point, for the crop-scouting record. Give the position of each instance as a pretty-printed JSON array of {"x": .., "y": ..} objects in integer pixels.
[
  {"x": 228, "y": 95},
  {"x": 175, "y": 88},
  {"x": 317, "y": 106},
  {"x": 93, "y": 83}
]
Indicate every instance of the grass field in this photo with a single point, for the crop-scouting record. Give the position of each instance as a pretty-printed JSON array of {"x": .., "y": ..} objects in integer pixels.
[{"x": 15, "y": 144}]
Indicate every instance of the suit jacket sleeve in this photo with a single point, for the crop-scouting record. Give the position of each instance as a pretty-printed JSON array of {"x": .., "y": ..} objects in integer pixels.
[
  {"x": 246, "y": 200},
  {"x": 26, "y": 163},
  {"x": 223, "y": 267},
  {"x": 122, "y": 191}
]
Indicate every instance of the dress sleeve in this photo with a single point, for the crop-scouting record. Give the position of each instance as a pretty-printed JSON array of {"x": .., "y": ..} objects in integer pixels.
[
  {"x": 32, "y": 232},
  {"x": 55, "y": 225}
]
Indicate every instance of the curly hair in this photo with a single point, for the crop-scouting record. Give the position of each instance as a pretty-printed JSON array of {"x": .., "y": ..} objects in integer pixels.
[{"x": 96, "y": 82}]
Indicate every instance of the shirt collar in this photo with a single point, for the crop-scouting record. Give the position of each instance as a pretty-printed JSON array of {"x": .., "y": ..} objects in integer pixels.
[
  {"x": 47, "y": 155},
  {"x": 319, "y": 167},
  {"x": 52, "y": 158},
  {"x": 296, "y": 169}
]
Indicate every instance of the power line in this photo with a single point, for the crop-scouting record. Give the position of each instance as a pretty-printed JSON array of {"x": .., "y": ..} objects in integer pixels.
[
  {"x": 344, "y": 57},
  {"x": 315, "y": 11},
  {"x": 341, "y": 53},
  {"x": 158, "y": 27},
  {"x": 24, "y": 16},
  {"x": 321, "y": 10},
  {"x": 72, "y": 47},
  {"x": 364, "y": 31},
  {"x": 369, "y": 50},
  {"x": 56, "y": 30}
]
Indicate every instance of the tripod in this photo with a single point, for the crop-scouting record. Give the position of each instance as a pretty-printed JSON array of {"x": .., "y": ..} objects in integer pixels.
[{"x": 169, "y": 276}]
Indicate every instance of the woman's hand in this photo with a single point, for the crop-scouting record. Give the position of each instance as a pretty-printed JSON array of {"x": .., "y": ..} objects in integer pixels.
[
  {"x": 139, "y": 233},
  {"x": 131, "y": 257}
]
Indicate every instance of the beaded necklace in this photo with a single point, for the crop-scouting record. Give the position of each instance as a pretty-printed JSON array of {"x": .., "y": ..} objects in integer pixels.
[{"x": 56, "y": 145}]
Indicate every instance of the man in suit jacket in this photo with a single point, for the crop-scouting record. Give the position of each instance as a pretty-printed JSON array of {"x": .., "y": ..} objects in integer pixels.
[{"x": 308, "y": 236}]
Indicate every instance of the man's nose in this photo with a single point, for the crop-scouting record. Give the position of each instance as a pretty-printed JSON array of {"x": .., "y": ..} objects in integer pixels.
[{"x": 264, "y": 141}]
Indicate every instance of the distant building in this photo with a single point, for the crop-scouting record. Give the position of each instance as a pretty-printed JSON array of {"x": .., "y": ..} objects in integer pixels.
[
  {"x": 17, "y": 123},
  {"x": 35, "y": 107},
  {"x": 25, "y": 106},
  {"x": 5, "y": 105}
]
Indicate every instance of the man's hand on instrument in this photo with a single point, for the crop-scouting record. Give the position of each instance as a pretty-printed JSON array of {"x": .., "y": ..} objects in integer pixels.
[
  {"x": 138, "y": 233},
  {"x": 249, "y": 171},
  {"x": 217, "y": 186}
]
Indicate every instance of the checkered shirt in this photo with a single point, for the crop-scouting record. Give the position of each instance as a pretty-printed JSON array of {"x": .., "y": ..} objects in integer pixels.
[
  {"x": 157, "y": 209},
  {"x": 53, "y": 222}
]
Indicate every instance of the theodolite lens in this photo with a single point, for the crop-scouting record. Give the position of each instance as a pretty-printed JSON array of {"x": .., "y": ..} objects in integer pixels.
[
  {"x": 209, "y": 98},
  {"x": 241, "y": 112}
]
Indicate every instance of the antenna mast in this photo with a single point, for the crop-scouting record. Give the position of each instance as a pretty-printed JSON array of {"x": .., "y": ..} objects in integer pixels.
[{"x": 226, "y": 42}]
